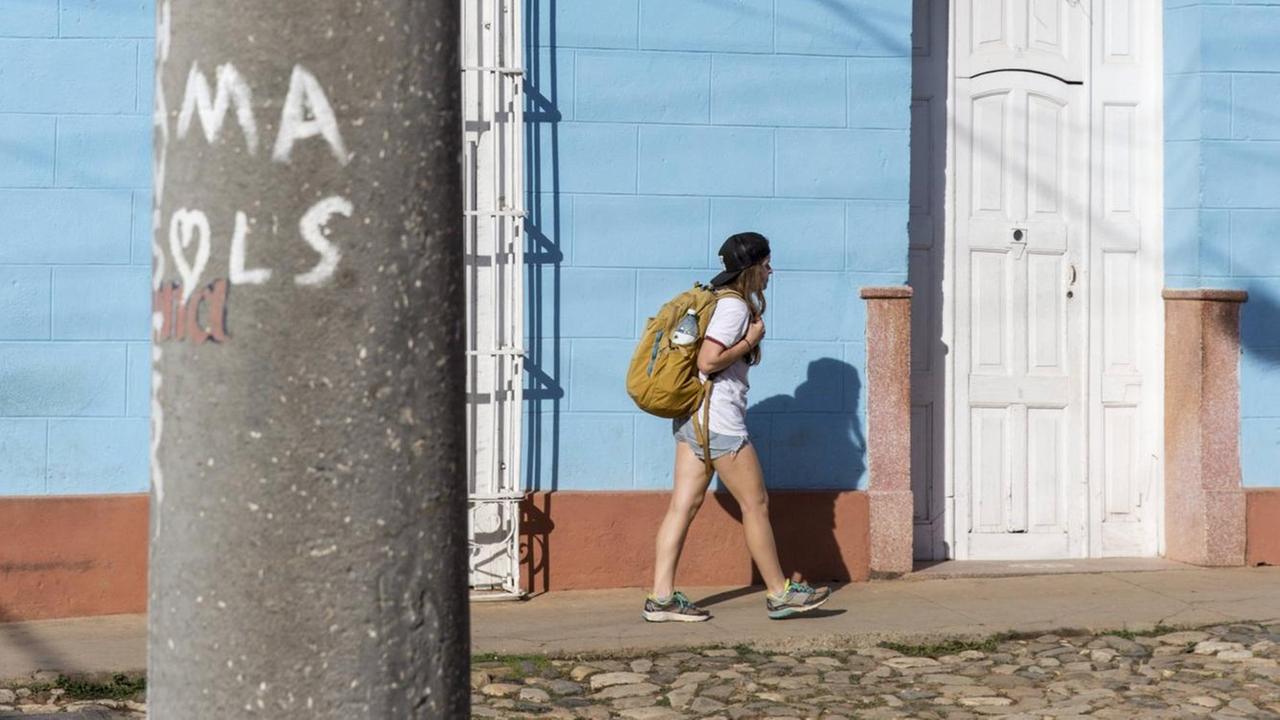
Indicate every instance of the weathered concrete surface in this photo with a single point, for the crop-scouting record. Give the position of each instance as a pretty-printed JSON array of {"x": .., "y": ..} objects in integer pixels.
[
  {"x": 308, "y": 507},
  {"x": 609, "y": 620}
]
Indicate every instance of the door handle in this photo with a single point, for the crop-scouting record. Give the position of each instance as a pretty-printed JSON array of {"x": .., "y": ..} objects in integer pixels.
[{"x": 1071, "y": 283}]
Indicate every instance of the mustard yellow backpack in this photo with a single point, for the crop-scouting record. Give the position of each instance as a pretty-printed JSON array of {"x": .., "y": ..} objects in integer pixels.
[{"x": 663, "y": 376}]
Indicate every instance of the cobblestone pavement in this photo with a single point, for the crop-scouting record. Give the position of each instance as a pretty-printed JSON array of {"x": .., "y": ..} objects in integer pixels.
[
  {"x": 86, "y": 713},
  {"x": 1227, "y": 671},
  {"x": 44, "y": 695}
]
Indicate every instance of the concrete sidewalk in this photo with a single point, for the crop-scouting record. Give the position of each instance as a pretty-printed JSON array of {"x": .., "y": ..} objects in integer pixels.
[
  {"x": 605, "y": 621},
  {"x": 112, "y": 643},
  {"x": 905, "y": 610}
]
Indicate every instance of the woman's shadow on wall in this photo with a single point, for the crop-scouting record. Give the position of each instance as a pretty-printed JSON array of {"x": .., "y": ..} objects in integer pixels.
[{"x": 810, "y": 443}]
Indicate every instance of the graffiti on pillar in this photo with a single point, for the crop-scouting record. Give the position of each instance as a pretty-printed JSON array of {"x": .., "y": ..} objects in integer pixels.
[
  {"x": 230, "y": 116},
  {"x": 160, "y": 153},
  {"x": 195, "y": 308},
  {"x": 195, "y": 317}
]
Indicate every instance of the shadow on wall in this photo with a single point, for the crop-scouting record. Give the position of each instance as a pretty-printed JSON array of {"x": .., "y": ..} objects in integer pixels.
[
  {"x": 1260, "y": 316},
  {"x": 1260, "y": 364},
  {"x": 814, "y": 438},
  {"x": 810, "y": 439},
  {"x": 543, "y": 391}
]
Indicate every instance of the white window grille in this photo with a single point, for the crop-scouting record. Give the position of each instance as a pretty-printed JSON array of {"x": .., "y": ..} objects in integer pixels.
[{"x": 493, "y": 177}]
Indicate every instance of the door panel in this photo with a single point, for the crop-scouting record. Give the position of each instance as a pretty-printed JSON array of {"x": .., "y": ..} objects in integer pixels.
[
  {"x": 1046, "y": 470},
  {"x": 1126, "y": 323},
  {"x": 1046, "y": 313},
  {"x": 1046, "y": 36},
  {"x": 1020, "y": 234}
]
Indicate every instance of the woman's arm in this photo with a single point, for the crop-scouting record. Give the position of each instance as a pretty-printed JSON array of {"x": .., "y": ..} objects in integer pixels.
[{"x": 714, "y": 357}]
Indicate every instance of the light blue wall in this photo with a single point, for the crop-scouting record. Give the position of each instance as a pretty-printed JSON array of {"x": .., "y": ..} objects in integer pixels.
[
  {"x": 1222, "y": 189},
  {"x": 659, "y": 127},
  {"x": 75, "y": 179}
]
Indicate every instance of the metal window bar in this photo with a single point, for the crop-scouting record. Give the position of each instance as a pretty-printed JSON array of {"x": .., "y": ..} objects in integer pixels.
[{"x": 493, "y": 131}]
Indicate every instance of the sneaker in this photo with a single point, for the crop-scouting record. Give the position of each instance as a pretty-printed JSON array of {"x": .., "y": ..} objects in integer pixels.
[
  {"x": 796, "y": 598},
  {"x": 677, "y": 608}
]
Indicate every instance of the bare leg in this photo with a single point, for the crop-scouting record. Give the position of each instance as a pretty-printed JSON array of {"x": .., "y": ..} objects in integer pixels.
[
  {"x": 741, "y": 473},
  {"x": 690, "y": 488}
]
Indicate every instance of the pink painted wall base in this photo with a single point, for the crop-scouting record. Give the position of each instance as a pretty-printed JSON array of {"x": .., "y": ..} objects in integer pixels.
[
  {"x": 72, "y": 556},
  {"x": 578, "y": 540}
]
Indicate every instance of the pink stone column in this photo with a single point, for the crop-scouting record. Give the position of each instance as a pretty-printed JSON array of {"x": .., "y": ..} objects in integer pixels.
[
  {"x": 1204, "y": 498},
  {"x": 889, "y": 428}
]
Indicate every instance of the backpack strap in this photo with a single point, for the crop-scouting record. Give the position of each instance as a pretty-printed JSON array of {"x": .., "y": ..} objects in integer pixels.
[{"x": 702, "y": 430}]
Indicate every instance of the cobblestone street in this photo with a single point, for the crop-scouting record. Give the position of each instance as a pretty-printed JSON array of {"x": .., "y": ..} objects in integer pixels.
[
  {"x": 1225, "y": 671},
  {"x": 46, "y": 695}
]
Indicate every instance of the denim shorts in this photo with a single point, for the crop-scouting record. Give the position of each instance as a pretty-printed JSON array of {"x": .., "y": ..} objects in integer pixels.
[{"x": 721, "y": 445}]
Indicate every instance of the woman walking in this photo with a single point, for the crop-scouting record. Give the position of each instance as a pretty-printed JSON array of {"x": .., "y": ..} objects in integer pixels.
[{"x": 731, "y": 346}]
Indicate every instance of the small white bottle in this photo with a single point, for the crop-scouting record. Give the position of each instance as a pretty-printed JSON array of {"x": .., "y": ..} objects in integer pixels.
[{"x": 687, "y": 331}]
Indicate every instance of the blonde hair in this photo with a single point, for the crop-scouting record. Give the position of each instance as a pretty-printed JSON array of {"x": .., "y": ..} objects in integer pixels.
[{"x": 750, "y": 285}]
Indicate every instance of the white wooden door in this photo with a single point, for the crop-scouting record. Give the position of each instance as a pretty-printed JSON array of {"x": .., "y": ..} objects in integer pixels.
[
  {"x": 1126, "y": 397},
  {"x": 1054, "y": 370},
  {"x": 1021, "y": 225}
]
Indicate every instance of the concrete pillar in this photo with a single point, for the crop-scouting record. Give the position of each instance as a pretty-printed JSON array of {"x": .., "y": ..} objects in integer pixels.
[
  {"x": 308, "y": 528},
  {"x": 889, "y": 429},
  {"x": 1204, "y": 498}
]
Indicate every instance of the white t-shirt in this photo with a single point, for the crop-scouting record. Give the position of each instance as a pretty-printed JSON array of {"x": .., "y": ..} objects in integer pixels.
[{"x": 729, "y": 396}]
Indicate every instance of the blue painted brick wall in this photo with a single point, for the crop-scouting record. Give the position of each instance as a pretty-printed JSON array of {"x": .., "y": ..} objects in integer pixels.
[
  {"x": 658, "y": 128},
  {"x": 1222, "y": 175},
  {"x": 75, "y": 189}
]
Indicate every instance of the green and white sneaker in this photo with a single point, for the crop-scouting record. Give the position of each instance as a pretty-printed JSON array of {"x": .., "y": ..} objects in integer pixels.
[
  {"x": 796, "y": 598},
  {"x": 676, "y": 608}
]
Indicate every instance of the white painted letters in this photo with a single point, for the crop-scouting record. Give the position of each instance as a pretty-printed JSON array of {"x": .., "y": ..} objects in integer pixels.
[
  {"x": 157, "y": 252},
  {"x": 307, "y": 113},
  {"x": 232, "y": 88},
  {"x": 164, "y": 35},
  {"x": 240, "y": 276},
  {"x": 312, "y": 227},
  {"x": 159, "y": 154}
]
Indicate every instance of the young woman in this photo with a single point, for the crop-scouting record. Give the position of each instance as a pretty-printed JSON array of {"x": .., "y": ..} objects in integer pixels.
[{"x": 731, "y": 346}]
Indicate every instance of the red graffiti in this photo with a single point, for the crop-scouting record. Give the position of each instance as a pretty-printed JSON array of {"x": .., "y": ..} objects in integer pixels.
[{"x": 198, "y": 319}]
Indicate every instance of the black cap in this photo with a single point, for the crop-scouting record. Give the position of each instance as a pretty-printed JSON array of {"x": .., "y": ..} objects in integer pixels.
[{"x": 738, "y": 253}]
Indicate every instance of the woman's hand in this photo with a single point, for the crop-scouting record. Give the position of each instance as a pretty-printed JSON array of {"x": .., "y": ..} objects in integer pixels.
[
  {"x": 755, "y": 332},
  {"x": 714, "y": 357}
]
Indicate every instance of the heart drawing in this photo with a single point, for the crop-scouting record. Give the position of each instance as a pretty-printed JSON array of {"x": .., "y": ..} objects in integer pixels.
[{"x": 182, "y": 227}]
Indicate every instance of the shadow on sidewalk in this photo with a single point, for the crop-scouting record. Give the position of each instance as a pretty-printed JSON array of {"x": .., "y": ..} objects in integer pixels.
[
  {"x": 16, "y": 633},
  {"x": 727, "y": 595}
]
